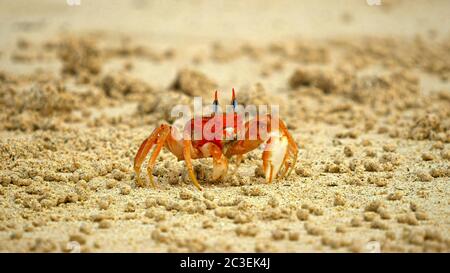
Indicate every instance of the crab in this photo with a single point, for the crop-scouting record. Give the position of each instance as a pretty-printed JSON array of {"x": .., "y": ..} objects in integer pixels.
[{"x": 223, "y": 142}]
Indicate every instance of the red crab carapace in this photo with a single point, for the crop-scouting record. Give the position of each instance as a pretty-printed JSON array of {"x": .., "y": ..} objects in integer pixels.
[{"x": 222, "y": 142}]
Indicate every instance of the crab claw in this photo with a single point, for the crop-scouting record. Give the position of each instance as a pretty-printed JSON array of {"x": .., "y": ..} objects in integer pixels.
[
  {"x": 220, "y": 168},
  {"x": 274, "y": 156},
  {"x": 220, "y": 162}
]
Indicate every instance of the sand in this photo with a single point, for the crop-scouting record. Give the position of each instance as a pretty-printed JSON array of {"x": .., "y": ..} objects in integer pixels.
[{"x": 364, "y": 90}]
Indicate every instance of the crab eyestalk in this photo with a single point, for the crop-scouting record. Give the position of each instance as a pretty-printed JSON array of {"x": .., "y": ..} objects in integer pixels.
[
  {"x": 215, "y": 104},
  {"x": 233, "y": 100}
]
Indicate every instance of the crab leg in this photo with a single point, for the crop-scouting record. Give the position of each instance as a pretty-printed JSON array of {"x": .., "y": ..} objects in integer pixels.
[
  {"x": 145, "y": 147},
  {"x": 159, "y": 144},
  {"x": 292, "y": 147},
  {"x": 187, "y": 158},
  {"x": 289, "y": 166},
  {"x": 160, "y": 136},
  {"x": 239, "y": 159}
]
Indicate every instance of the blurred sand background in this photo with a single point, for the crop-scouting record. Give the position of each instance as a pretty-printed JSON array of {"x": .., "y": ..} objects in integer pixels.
[{"x": 363, "y": 89}]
